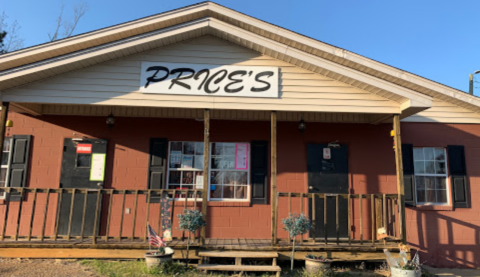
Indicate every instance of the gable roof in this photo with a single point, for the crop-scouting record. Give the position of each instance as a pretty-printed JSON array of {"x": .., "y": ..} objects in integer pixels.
[{"x": 413, "y": 92}]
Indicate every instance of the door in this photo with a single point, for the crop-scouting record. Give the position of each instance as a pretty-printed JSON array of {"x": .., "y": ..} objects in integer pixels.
[
  {"x": 83, "y": 166},
  {"x": 328, "y": 176}
]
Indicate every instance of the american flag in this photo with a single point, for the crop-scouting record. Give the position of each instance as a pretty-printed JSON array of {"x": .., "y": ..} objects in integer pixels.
[{"x": 155, "y": 239}]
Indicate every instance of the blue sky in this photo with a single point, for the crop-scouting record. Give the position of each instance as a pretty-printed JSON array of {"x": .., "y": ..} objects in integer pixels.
[{"x": 438, "y": 40}]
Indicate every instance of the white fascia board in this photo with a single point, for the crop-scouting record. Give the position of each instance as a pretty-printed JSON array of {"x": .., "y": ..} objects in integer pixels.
[{"x": 104, "y": 49}]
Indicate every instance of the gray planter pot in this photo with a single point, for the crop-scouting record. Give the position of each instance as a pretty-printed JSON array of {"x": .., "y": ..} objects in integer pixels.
[
  {"x": 397, "y": 272},
  {"x": 312, "y": 265},
  {"x": 153, "y": 260}
]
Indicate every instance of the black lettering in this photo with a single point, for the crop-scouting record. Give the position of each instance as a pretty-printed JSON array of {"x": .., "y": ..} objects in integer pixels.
[
  {"x": 235, "y": 81},
  {"x": 198, "y": 76},
  {"x": 257, "y": 78},
  {"x": 180, "y": 72},
  {"x": 157, "y": 69},
  {"x": 218, "y": 80}
]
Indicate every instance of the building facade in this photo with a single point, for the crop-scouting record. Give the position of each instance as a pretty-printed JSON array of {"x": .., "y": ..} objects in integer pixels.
[{"x": 207, "y": 108}]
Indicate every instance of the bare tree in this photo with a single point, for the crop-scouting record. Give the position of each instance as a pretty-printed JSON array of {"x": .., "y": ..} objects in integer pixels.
[
  {"x": 68, "y": 26},
  {"x": 12, "y": 40}
]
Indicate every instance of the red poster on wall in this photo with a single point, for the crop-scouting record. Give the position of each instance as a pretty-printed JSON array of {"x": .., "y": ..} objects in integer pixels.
[{"x": 84, "y": 148}]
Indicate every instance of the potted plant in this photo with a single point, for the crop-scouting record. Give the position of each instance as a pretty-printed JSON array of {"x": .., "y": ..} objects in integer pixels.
[
  {"x": 154, "y": 258},
  {"x": 296, "y": 225},
  {"x": 314, "y": 263},
  {"x": 401, "y": 266},
  {"x": 190, "y": 221}
]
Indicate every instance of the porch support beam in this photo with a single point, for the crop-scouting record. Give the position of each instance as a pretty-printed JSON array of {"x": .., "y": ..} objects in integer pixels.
[
  {"x": 206, "y": 157},
  {"x": 3, "y": 123},
  {"x": 400, "y": 183},
  {"x": 273, "y": 174}
]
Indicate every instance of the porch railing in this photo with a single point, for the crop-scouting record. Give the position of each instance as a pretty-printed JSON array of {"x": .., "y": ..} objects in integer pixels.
[
  {"x": 34, "y": 213},
  {"x": 366, "y": 214}
]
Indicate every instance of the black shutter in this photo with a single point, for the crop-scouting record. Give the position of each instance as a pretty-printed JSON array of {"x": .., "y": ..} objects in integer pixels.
[
  {"x": 259, "y": 172},
  {"x": 458, "y": 173},
  {"x": 19, "y": 160},
  {"x": 408, "y": 174},
  {"x": 157, "y": 165}
]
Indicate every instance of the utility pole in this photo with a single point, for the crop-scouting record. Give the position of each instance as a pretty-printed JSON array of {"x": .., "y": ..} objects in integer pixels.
[{"x": 470, "y": 83}]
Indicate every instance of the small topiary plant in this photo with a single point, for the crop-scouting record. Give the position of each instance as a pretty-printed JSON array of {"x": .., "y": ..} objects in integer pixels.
[
  {"x": 190, "y": 221},
  {"x": 296, "y": 225}
]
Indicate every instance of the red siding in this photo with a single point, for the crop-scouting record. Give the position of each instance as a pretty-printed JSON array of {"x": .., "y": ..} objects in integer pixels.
[{"x": 445, "y": 238}]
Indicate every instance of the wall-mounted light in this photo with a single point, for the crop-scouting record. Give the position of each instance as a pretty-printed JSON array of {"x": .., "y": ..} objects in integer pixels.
[
  {"x": 110, "y": 121},
  {"x": 302, "y": 126}
]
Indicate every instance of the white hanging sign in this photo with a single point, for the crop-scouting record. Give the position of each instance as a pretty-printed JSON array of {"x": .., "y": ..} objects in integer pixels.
[
  {"x": 207, "y": 79},
  {"x": 327, "y": 153}
]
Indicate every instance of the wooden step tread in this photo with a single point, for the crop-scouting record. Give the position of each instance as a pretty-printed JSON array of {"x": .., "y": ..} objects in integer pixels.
[
  {"x": 221, "y": 267},
  {"x": 237, "y": 254}
]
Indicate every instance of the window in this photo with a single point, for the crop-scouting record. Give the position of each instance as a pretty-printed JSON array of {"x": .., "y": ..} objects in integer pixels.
[
  {"x": 431, "y": 175},
  {"x": 229, "y": 178},
  {"x": 7, "y": 149},
  {"x": 185, "y": 165},
  {"x": 228, "y": 181}
]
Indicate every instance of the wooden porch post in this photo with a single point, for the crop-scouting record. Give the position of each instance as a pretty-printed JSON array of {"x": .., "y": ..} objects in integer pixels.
[
  {"x": 273, "y": 174},
  {"x": 206, "y": 157},
  {"x": 3, "y": 122},
  {"x": 400, "y": 184}
]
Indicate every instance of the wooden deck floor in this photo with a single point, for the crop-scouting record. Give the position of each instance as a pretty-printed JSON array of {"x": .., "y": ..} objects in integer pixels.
[{"x": 210, "y": 244}]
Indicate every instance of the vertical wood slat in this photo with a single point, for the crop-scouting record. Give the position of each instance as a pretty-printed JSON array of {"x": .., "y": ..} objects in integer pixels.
[
  {"x": 385, "y": 217},
  {"x": 134, "y": 215},
  {"x": 276, "y": 210},
  {"x": 372, "y": 209},
  {"x": 194, "y": 208},
  {"x": 45, "y": 212},
  {"x": 121, "y": 218},
  {"x": 57, "y": 219},
  {"x": 273, "y": 171},
  {"x": 361, "y": 218},
  {"x": 146, "y": 217},
  {"x": 84, "y": 214},
  {"x": 7, "y": 205},
  {"x": 206, "y": 157},
  {"x": 97, "y": 217},
  {"x": 337, "y": 220},
  {"x": 325, "y": 218},
  {"x": 301, "y": 212},
  {"x": 33, "y": 214},
  {"x": 313, "y": 217},
  {"x": 71, "y": 214},
  {"x": 19, "y": 213},
  {"x": 160, "y": 217},
  {"x": 389, "y": 204},
  {"x": 394, "y": 219},
  {"x": 110, "y": 202},
  {"x": 173, "y": 207},
  {"x": 185, "y": 204},
  {"x": 349, "y": 199},
  {"x": 400, "y": 181},
  {"x": 289, "y": 203}
]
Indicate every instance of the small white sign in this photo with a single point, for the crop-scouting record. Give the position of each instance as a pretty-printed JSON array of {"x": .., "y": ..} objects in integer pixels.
[
  {"x": 327, "y": 153},
  {"x": 199, "y": 182},
  {"x": 97, "y": 171},
  {"x": 209, "y": 80}
]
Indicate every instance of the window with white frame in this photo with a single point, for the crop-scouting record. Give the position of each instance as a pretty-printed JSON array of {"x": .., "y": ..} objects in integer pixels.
[
  {"x": 431, "y": 175},
  {"x": 229, "y": 168},
  {"x": 185, "y": 165},
  {"x": 229, "y": 179},
  {"x": 7, "y": 149}
]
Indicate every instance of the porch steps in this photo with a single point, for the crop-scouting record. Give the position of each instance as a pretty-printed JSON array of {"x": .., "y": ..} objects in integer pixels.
[{"x": 238, "y": 255}]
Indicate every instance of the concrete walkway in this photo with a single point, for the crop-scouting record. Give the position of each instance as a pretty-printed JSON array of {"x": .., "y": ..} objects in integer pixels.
[{"x": 453, "y": 272}]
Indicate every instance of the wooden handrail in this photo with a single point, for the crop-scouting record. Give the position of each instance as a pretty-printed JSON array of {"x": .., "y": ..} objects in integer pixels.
[
  {"x": 46, "y": 199},
  {"x": 385, "y": 218}
]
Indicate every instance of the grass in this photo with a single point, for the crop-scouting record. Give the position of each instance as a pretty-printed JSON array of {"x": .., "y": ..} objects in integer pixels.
[{"x": 138, "y": 269}]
